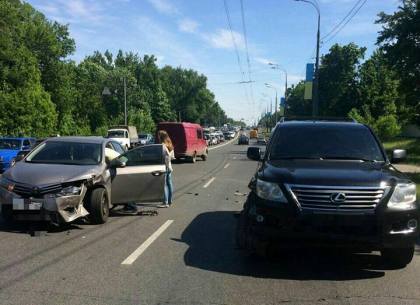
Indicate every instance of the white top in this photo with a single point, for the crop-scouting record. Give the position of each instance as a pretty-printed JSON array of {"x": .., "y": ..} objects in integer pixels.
[{"x": 169, "y": 156}]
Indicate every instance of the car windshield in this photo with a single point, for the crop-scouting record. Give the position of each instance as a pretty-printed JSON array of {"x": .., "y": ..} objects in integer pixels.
[
  {"x": 325, "y": 142},
  {"x": 67, "y": 153},
  {"x": 116, "y": 134},
  {"x": 10, "y": 144},
  {"x": 143, "y": 136}
]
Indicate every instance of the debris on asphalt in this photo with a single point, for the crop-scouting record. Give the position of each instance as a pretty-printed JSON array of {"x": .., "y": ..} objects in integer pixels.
[
  {"x": 148, "y": 213},
  {"x": 240, "y": 194},
  {"x": 196, "y": 194}
]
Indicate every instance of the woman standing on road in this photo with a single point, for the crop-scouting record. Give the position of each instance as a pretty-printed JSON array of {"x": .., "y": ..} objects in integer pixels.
[{"x": 168, "y": 153}]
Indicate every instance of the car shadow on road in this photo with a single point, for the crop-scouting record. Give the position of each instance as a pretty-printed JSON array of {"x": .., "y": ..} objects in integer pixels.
[{"x": 210, "y": 237}]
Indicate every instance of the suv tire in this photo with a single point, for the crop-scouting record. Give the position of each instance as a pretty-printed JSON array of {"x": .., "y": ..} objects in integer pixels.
[
  {"x": 242, "y": 230},
  {"x": 98, "y": 206},
  {"x": 397, "y": 257}
]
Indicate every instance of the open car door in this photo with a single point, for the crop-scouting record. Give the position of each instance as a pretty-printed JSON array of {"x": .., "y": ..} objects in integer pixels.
[{"x": 138, "y": 175}]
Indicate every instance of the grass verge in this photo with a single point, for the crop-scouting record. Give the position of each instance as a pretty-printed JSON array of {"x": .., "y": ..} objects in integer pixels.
[{"x": 411, "y": 145}]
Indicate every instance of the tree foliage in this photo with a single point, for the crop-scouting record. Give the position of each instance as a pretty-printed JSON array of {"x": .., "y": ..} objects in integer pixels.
[{"x": 42, "y": 92}]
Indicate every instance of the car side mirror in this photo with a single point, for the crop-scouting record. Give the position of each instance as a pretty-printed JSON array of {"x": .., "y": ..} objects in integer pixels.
[
  {"x": 398, "y": 155},
  {"x": 254, "y": 153},
  {"x": 20, "y": 157},
  {"x": 117, "y": 163}
]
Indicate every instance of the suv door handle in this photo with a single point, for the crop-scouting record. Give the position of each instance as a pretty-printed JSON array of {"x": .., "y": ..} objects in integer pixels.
[{"x": 157, "y": 173}]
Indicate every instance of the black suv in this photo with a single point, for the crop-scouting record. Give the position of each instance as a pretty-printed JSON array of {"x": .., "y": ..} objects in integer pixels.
[{"x": 329, "y": 183}]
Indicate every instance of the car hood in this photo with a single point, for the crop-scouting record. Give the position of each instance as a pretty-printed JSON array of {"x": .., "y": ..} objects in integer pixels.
[
  {"x": 326, "y": 172},
  {"x": 45, "y": 174},
  {"x": 8, "y": 154}
]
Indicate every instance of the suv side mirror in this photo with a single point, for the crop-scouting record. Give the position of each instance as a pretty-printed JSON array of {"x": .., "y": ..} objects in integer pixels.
[
  {"x": 254, "y": 153},
  {"x": 115, "y": 163},
  {"x": 398, "y": 155}
]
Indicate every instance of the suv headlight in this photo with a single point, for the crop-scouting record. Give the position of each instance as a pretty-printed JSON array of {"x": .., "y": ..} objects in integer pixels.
[
  {"x": 270, "y": 191},
  {"x": 404, "y": 197},
  {"x": 70, "y": 191}
]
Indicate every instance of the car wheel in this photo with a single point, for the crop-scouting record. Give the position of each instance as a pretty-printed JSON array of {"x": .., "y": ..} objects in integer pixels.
[
  {"x": 397, "y": 257},
  {"x": 98, "y": 206},
  {"x": 242, "y": 230},
  {"x": 7, "y": 212}
]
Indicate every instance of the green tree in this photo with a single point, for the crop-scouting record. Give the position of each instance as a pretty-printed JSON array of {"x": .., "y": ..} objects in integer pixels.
[
  {"x": 338, "y": 87},
  {"x": 399, "y": 40}
]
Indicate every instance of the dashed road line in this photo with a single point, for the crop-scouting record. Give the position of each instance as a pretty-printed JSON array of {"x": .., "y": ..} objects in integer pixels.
[
  {"x": 209, "y": 182},
  {"x": 226, "y": 166},
  {"x": 139, "y": 251}
]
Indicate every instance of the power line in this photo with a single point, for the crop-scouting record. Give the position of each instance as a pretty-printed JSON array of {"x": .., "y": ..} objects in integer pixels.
[
  {"x": 238, "y": 58},
  {"x": 247, "y": 52},
  {"x": 339, "y": 29},
  {"x": 342, "y": 20}
]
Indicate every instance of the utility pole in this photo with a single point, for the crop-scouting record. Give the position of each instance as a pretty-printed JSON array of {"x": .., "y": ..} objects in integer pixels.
[
  {"x": 315, "y": 87},
  {"x": 285, "y": 96}
]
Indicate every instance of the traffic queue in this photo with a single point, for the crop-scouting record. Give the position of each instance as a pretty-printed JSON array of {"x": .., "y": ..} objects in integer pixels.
[{"x": 61, "y": 179}]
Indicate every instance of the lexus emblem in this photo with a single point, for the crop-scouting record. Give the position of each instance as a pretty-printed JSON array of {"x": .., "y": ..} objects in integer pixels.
[{"x": 338, "y": 197}]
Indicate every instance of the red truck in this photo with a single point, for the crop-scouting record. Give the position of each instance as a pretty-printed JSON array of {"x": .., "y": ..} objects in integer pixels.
[{"x": 187, "y": 138}]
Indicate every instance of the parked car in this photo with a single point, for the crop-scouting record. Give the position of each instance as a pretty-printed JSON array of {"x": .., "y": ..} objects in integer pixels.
[
  {"x": 145, "y": 139},
  {"x": 208, "y": 140},
  {"x": 330, "y": 183},
  {"x": 125, "y": 135},
  {"x": 188, "y": 140},
  {"x": 243, "y": 139},
  {"x": 11, "y": 150},
  {"x": 66, "y": 178},
  {"x": 214, "y": 139}
]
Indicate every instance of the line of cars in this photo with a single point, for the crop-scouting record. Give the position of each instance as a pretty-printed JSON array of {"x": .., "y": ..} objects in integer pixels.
[
  {"x": 215, "y": 137},
  {"x": 66, "y": 178}
]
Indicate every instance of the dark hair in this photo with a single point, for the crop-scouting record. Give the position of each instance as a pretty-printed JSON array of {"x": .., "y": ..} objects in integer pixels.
[{"x": 165, "y": 139}]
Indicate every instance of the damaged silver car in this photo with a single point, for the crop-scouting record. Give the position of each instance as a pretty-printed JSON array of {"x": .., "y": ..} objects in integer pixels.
[{"x": 67, "y": 178}]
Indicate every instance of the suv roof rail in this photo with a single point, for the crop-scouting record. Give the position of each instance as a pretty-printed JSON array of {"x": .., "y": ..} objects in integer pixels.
[{"x": 316, "y": 118}]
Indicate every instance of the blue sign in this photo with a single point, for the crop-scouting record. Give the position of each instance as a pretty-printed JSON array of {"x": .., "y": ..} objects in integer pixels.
[
  {"x": 282, "y": 101},
  {"x": 310, "y": 72}
]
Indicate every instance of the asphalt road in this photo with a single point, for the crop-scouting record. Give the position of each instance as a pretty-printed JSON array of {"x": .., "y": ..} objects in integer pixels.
[{"x": 190, "y": 256}]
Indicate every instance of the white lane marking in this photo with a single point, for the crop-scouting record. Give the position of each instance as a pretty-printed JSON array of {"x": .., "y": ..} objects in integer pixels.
[
  {"x": 234, "y": 158},
  {"x": 209, "y": 182},
  {"x": 218, "y": 146},
  {"x": 133, "y": 256},
  {"x": 227, "y": 165}
]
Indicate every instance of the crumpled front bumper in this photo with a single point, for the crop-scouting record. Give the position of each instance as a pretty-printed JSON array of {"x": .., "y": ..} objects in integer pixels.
[{"x": 48, "y": 207}]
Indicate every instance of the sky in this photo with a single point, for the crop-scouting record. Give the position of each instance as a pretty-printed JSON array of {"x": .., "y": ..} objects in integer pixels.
[{"x": 197, "y": 34}]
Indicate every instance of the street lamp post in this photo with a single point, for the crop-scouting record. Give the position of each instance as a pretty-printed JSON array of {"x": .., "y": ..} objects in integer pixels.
[
  {"x": 315, "y": 96},
  {"x": 278, "y": 67},
  {"x": 275, "y": 108}
]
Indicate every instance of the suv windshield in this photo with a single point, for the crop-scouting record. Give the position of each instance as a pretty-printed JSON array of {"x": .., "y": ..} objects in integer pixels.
[
  {"x": 67, "y": 153},
  {"x": 116, "y": 134},
  {"x": 325, "y": 142},
  {"x": 10, "y": 144}
]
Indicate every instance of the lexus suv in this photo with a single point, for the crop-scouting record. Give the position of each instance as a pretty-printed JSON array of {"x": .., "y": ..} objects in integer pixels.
[{"x": 326, "y": 183}]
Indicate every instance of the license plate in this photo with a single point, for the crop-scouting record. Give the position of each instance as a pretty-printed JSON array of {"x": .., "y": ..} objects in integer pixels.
[
  {"x": 18, "y": 204},
  {"x": 34, "y": 205}
]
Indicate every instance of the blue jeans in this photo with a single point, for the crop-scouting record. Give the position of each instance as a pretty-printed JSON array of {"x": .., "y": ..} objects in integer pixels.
[{"x": 169, "y": 188}]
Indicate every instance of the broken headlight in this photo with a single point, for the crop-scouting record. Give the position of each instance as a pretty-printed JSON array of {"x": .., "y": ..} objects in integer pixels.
[{"x": 70, "y": 191}]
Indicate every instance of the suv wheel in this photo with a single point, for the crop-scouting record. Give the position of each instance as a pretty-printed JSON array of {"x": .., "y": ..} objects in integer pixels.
[
  {"x": 242, "y": 230},
  {"x": 397, "y": 257},
  {"x": 98, "y": 206},
  {"x": 7, "y": 213}
]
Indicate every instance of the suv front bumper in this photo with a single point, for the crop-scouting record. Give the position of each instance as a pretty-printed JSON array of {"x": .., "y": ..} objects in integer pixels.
[{"x": 386, "y": 228}]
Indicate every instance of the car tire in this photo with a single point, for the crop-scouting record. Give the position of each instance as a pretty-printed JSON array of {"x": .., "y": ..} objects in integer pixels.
[
  {"x": 204, "y": 156},
  {"x": 397, "y": 257},
  {"x": 7, "y": 213},
  {"x": 242, "y": 230},
  {"x": 98, "y": 206}
]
